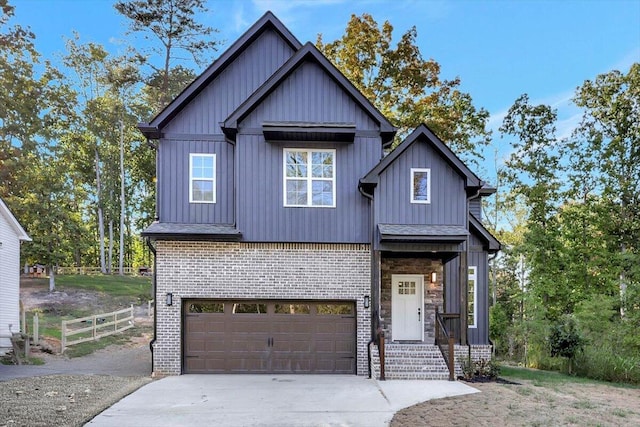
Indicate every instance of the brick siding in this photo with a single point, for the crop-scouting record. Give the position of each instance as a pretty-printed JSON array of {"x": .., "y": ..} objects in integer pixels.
[{"x": 256, "y": 271}]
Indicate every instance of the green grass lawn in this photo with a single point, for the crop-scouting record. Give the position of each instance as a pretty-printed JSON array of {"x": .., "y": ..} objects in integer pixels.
[
  {"x": 117, "y": 286},
  {"x": 544, "y": 378}
]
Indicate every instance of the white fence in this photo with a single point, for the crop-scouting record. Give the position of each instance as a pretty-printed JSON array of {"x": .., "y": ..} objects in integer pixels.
[
  {"x": 129, "y": 271},
  {"x": 99, "y": 325}
]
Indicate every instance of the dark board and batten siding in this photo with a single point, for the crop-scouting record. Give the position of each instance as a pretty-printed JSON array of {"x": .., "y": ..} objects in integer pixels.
[
  {"x": 173, "y": 183},
  {"x": 480, "y": 333},
  {"x": 196, "y": 129},
  {"x": 475, "y": 207},
  {"x": 309, "y": 94},
  {"x": 232, "y": 87},
  {"x": 393, "y": 195},
  {"x": 261, "y": 212}
]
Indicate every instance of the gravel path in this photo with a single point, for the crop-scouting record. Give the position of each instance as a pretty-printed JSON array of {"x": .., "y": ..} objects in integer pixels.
[{"x": 70, "y": 392}]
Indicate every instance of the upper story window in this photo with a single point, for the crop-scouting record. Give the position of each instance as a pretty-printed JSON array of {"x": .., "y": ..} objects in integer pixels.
[
  {"x": 202, "y": 178},
  {"x": 309, "y": 178},
  {"x": 420, "y": 185},
  {"x": 472, "y": 308}
]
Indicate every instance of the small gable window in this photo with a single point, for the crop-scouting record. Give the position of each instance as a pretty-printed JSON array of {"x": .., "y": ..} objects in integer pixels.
[
  {"x": 472, "y": 294},
  {"x": 202, "y": 178},
  {"x": 309, "y": 178},
  {"x": 420, "y": 185}
]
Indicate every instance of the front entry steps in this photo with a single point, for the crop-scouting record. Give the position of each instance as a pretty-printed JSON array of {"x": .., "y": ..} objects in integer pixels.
[{"x": 410, "y": 362}]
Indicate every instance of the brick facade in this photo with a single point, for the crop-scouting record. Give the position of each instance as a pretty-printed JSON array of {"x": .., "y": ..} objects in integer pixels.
[
  {"x": 433, "y": 292},
  {"x": 256, "y": 271}
]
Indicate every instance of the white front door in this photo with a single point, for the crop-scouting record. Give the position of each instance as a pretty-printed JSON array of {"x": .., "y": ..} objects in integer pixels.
[{"x": 407, "y": 307}]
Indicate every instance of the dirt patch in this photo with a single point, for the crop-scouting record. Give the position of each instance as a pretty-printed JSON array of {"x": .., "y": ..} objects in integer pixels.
[
  {"x": 61, "y": 400},
  {"x": 34, "y": 294},
  {"x": 530, "y": 404}
]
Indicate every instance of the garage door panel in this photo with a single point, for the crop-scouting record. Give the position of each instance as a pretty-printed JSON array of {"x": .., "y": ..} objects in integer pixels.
[{"x": 271, "y": 336}]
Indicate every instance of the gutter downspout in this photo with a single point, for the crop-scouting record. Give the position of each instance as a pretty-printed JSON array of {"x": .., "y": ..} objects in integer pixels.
[
  {"x": 155, "y": 300},
  {"x": 491, "y": 258},
  {"x": 374, "y": 301}
]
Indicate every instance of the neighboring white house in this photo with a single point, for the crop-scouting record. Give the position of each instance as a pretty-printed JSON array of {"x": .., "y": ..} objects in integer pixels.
[{"x": 11, "y": 233}]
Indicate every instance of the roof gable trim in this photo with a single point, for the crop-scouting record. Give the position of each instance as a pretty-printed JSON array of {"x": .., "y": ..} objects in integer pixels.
[
  {"x": 152, "y": 130},
  {"x": 493, "y": 245},
  {"x": 423, "y": 132},
  {"x": 13, "y": 222},
  {"x": 307, "y": 53}
]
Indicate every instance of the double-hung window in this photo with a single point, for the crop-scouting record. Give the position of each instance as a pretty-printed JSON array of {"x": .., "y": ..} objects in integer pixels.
[
  {"x": 420, "y": 185},
  {"x": 202, "y": 178},
  {"x": 472, "y": 294},
  {"x": 309, "y": 178}
]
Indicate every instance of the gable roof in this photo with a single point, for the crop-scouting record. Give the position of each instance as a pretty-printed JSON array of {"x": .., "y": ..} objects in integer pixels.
[
  {"x": 267, "y": 21},
  {"x": 492, "y": 244},
  {"x": 13, "y": 222},
  {"x": 307, "y": 53},
  {"x": 423, "y": 133}
]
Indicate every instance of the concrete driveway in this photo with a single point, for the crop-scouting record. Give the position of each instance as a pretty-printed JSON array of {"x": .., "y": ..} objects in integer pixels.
[{"x": 272, "y": 400}]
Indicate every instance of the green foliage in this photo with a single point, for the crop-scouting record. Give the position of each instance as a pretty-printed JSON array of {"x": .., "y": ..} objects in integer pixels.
[
  {"x": 404, "y": 86},
  {"x": 172, "y": 23},
  {"x": 564, "y": 340},
  {"x": 579, "y": 244},
  {"x": 482, "y": 369}
]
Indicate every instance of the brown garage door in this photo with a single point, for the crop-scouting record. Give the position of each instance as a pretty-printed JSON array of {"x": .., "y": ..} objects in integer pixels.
[{"x": 269, "y": 337}]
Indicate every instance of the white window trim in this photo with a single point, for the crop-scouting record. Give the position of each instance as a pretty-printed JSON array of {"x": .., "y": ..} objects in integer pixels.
[
  {"x": 191, "y": 178},
  {"x": 411, "y": 181},
  {"x": 473, "y": 276},
  {"x": 309, "y": 179}
]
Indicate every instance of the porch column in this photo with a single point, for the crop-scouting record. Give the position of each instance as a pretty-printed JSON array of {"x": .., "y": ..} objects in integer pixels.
[{"x": 463, "y": 289}]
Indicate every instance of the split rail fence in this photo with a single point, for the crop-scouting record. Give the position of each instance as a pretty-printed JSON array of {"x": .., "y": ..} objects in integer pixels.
[{"x": 92, "y": 328}]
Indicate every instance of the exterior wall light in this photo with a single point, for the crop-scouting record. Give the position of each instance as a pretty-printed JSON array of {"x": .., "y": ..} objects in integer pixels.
[
  {"x": 169, "y": 298},
  {"x": 434, "y": 277},
  {"x": 367, "y": 301}
]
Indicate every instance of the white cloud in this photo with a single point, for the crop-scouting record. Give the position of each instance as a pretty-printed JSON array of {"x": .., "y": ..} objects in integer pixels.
[
  {"x": 239, "y": 22},
  {"x": 289, "y": 10}
]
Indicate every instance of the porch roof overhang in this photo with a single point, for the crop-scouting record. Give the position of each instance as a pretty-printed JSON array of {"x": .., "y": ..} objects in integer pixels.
[
  {"x": 179, "y": 231},
  {"x": 422, "y": 233},
  {"x": 309, "y": 132}
]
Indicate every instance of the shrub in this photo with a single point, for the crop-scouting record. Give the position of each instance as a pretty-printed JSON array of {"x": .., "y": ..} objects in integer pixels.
[{"x": 481, "y": 370}]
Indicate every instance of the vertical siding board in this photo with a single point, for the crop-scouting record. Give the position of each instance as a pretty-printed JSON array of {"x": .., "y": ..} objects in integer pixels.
[
  {"x": 475, "y": 207},
  {"x": 308, "y": 94},
  {"x": 262, "y": 216},
  {"x": 202, "y": 116},
  {"x": 174, "y": 183},
  {"x": 239, "y": 80},
  {"x": 453, "y": 283},
  {"x": 448, "y": 201}
]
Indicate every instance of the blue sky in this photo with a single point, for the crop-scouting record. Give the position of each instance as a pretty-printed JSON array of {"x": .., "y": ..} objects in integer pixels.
[{"x": 499, "y": 49}]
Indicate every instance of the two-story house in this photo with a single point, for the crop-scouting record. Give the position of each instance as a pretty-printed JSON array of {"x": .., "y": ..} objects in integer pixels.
[{"x": 285, "y": 240}]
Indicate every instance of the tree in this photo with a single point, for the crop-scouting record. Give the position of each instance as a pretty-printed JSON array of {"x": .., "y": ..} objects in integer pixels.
[
  {"x": 36, "y": 110},
  {"x": 534, "y": 170},
  {"x": 84, "y": 147},
  {"x": 609, "y": 138},
  {"x": 404, "y": 86},
  {"x": 173, "y": 24}
]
